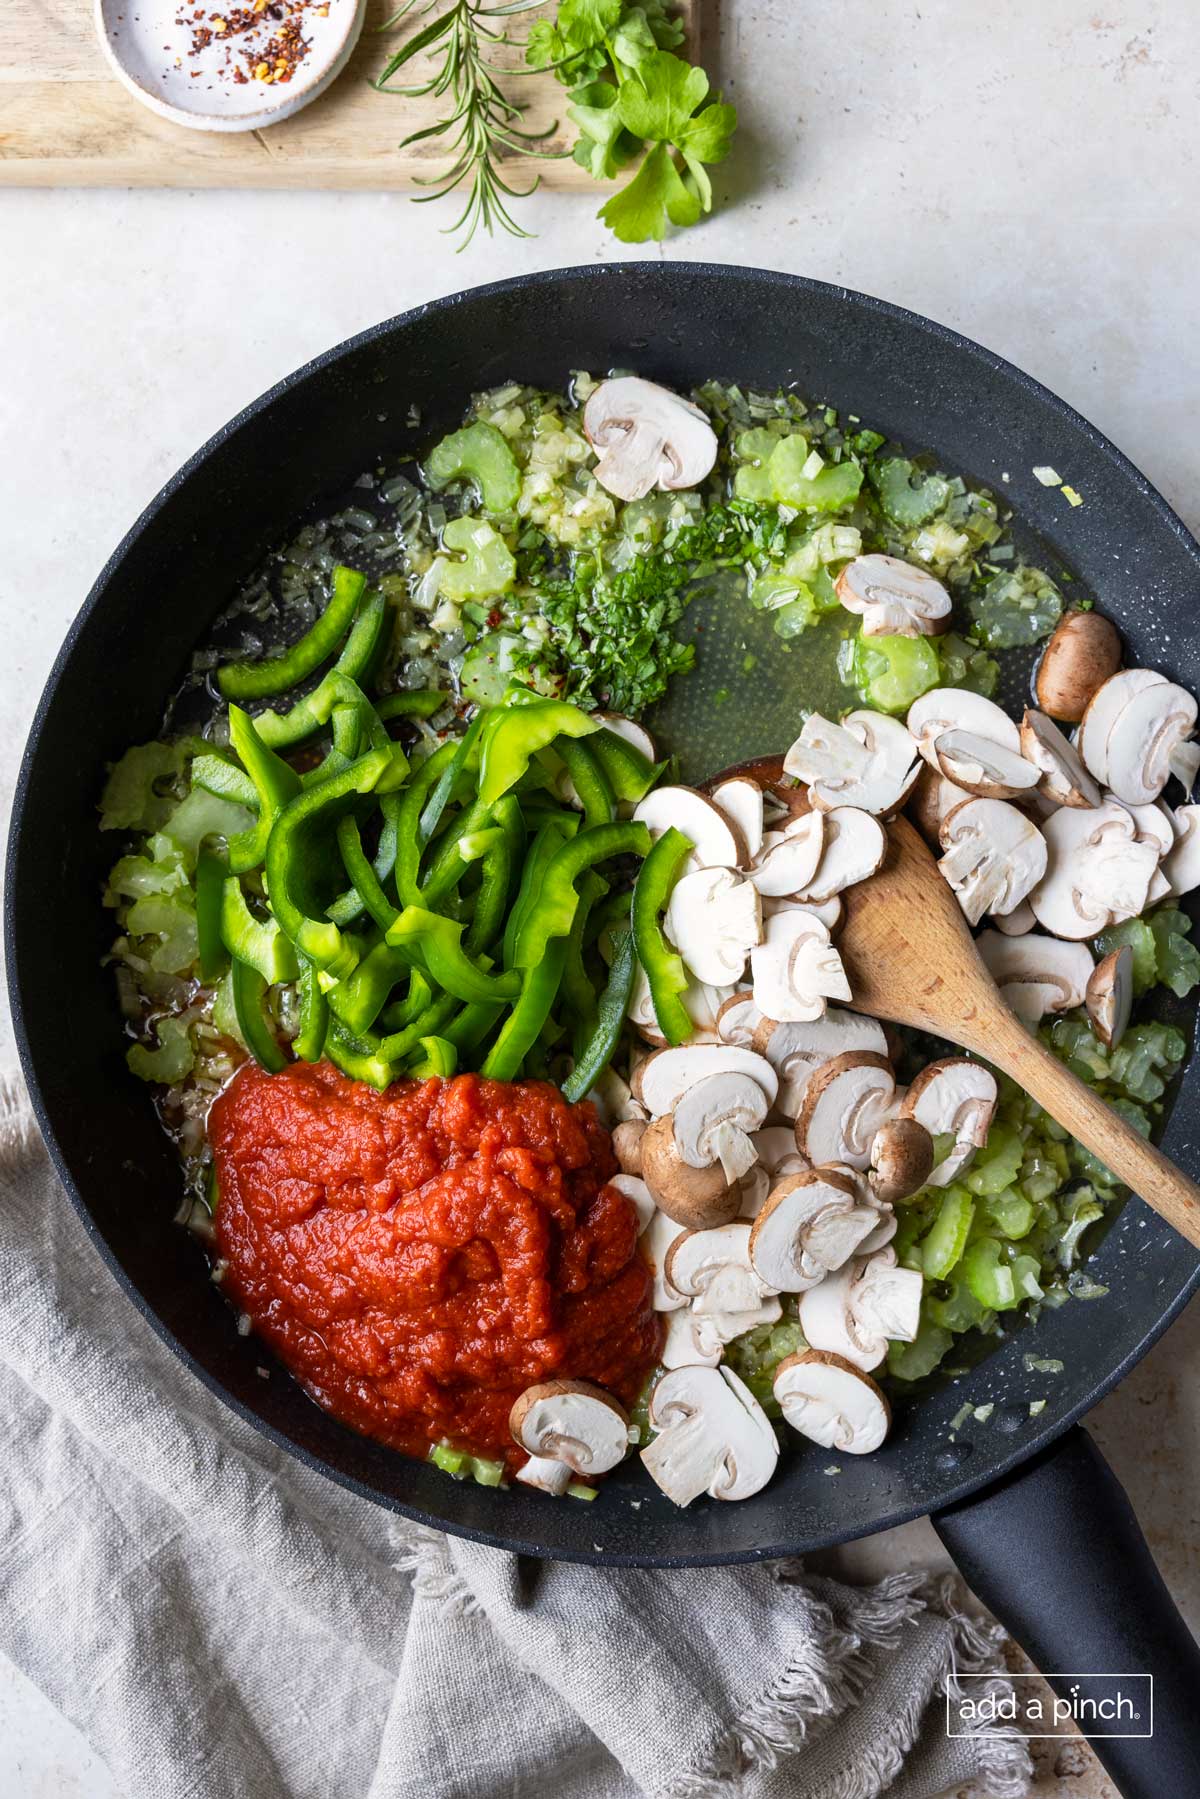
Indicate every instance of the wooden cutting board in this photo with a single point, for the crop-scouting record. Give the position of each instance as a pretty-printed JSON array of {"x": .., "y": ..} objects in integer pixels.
[{"x": 65, "y": 121}]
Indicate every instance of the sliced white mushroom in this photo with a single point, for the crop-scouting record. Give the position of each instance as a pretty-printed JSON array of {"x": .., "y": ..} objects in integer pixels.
[
  {"x": 953, "y": 1098},
  {"x": 931, "y": 799},
  {"x": 1110, "y": 995},
  {"x": 828, "y": 911},
  {"x": 843, "y": 1105},
  {"x": 612, "y": 1099},
  {"x": 1064, "y": 779},
  {"x": 1154, "y": 825},
  {"x": 856, "y": 1311},
  {"x": 796, "y": 969},
  {"x": 660, "y": 1081},
  {"x": 1185, "y": 764},
  {"x": 994, "y": 856},
  {"x": 714, "y": 1121},
  {"x": 1096, "y": 870},
  {"x": 787, "y": 860},
  {"x": 982, "y": 768},
  {"x": 548, "y": 1475},
  {"x": 640, "y": 1011},
  {"x": 573, "y": 1422},
  {"x": 901, "y": 1159},
  {"x": 777, "y": 1152},
  {"x": 698, "y": 1339},
  {"x": 867, "y": 761},
  {"x": 810, "y": 1223},
  {"x": 797, "y": 1049},
  {"x": 714, "y": 1437},
  {"x": 1083, "y": 651},
  {"x": 627, "y": 1145},
  {"x": 754, "y": 1186},
  {"x": 831, "y": 1402},
  {"x": 945, "y": 709},
  {"x": 741, "y": 800},
  {"x": 656, "y": 1243},
  {"x": 854, "y": 848},
  {"x": 696, "y": 1197},
  {"x": 1036, "y": 974},
  {"x": 630, "y": 731},
  {"x": 647, "y": 437},
  {"x": 717, "y": 841},
  {"x": 713, "y": 1270},
  {"x": 1182, "y": 865},
  {"x": 714, "y": 919},
  {"x": 738, "y": 1019},
  {"x": 1132, "y": 731},
  {"x": 1016, "y": 922},
  {"x": 639, "y": 1196},
  {"x": 894, "y": 598}
]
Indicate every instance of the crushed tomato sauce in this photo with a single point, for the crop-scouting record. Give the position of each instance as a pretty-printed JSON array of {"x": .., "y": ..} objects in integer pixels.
[{"x": 419, "y": 1257}]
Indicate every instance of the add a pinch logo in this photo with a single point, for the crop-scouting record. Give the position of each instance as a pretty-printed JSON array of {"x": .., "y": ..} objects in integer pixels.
[{"x": 1036, "y": 1705}]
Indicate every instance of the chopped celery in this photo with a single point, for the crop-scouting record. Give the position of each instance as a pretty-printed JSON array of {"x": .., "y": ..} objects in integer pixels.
[
  {"x": 131, "y": 800},
  {"x": 913, "y": 1361},
  {"x": 172, "y": 919},
  {"x": 171, "y": 1061},
  {"x": 1177, "y": 962},
  {"x": 781, "y": 475},
  {"x": 486, "y": 668},
  {"x": 137, "y": 877},
  {"x": 1145, "y": 1060},
  {"x": 485, "y": 567},
  {"x": 756, "y": 1355},
  {"x": 908, "y": 495},
  {"x": 1015, "y": 608},
  {"x": 942, "y": 1246},
  {"x": 989, "y": 1277},
  {"x": 200, "y": 815},
  {"x": 1072, "y": 1039},
  {"x": 478, "y": 453},
  {"x": 957, "y": 1309},
  {"x": 1137, "y": 934},
  {"x": 997, "y": 1164},
  {"x": 1009, "y": 1212},
  {"x": 889, "y": 672},
  {"x": 578, "y": 1489},
  {"x": 965, "y": 664}
]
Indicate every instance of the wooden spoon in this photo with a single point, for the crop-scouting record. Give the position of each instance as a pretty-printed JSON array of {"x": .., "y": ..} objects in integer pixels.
[{"x": 910, "y": 958}]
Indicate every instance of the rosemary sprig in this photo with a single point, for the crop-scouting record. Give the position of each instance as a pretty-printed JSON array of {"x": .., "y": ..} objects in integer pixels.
[{"x": 482, "y": 121}]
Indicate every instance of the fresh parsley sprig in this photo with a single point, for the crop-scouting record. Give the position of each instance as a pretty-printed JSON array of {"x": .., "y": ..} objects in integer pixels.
[
  {"x": 632, "y": 99},
  {"x": 483, "y": 122}
]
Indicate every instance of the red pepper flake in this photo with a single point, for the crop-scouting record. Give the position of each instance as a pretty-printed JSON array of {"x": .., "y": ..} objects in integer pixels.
[{"x": 267, "y": 37}]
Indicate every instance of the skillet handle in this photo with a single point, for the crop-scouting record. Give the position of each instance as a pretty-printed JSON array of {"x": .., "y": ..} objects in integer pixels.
[{"x": 1056, "y": 1553}]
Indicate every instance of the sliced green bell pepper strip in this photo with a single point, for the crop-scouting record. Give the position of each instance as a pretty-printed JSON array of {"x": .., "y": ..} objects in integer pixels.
[
  {"x": 401, "y": 1012},
  {"x": 418, "y": 702},
  {"x": 611, "y": 1013},
  {"x": 360, "y": 997},
  {"x": 356, "y": 728},
  {"x": 249, "y": 989},
  {"x": 579, "y": 996},
  {"x": 275, "y": 674},
  {"x": 626, "y": 770},
  {"x": 664, "y": 968},
  {"x": 496, "y": 878},
  {"x": 468, "y": 1030},
  {"x": 275, "y": 784},
  {"x": 357, "y": 1058},
  {"x": 218, "y": 773},
  {"x": 430, "y": 1022},
  {"x": 258, "y": 942},
  {"x": 549, "y": 838},
  {"x": 525, "y": 1023},
  {"x": 591, "y": 784},
  {"x": 449, "y": 863},
  {"x": 282, "y": 730},
  {"x": 434, "y": 944},
  {"x": 517, "y": 735},
  {"x": 463, "y": 759},
  {"x": 292, "y": 851},
  {"x": 364, "y": 882},
  {"x": 438, "y": 1059},
  {"x": 309, "y": 1042},
  {"x": 211, "y": 871},
  {"x": 409, "y": 843},
  {"x": 552, "y": 913}
]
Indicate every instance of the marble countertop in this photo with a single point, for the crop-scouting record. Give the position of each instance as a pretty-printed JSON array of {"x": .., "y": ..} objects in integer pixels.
[{"x": 1026, "y": 173}]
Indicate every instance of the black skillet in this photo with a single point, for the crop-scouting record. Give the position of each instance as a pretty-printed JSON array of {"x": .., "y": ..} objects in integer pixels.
[{"x": 1024, "y": 1503}]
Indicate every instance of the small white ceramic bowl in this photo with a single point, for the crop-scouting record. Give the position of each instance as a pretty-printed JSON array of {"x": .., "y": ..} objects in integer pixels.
[{"x": 157, "y": 48}]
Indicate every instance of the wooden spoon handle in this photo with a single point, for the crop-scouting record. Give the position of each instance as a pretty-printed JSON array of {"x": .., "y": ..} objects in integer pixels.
[{"x": 1082, "y": 1112}]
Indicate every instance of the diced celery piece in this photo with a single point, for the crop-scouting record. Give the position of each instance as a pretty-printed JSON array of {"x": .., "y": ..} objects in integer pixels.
[
  {"x": 130, "y": 801},
  {"x": 889, "y": 672},
  {"x": 944, "y": 1242},
  {"x": 1009, "y": 1212},
  {"x": 487, "y": 567},
  {"x": 965, "y": 664},
  {"x": 989, "y": 1277},
  {"x": 831, "y": 488},
  {"x": 913, "y": 1361},
  {"x": 997, "y": 1164},
  {"x": 909, "y": 496},
  {"x": 486, "y": 668},
  {"x": 171, "y": 1061},
  {"x": 172, "y": 919},
  {"x": 1145, "y": 1059},
  {"x": 478, "y": 453},
  {"x": 1177, "y": 962},
  {"x": 1015, "y": 608}
]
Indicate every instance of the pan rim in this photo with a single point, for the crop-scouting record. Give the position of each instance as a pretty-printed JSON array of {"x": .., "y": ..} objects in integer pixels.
[{"x": 1030, "y": 1445}]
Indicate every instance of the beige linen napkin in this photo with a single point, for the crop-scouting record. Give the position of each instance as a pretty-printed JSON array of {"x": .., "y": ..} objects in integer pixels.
[{"x": 222, "y": 1623}]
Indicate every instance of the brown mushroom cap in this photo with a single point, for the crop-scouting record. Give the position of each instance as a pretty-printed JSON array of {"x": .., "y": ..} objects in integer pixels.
[
  {"x": 901, "y": 1159},
  {"x": 695, "y": 1197},
  {"x": 627, "y": 1145},
  {"x": 580, "y": 1407},
  {"x": 827, "y": 1398},
  {"x": 862, "y": 1084},
  {"x": 1084, "y": 649}
]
